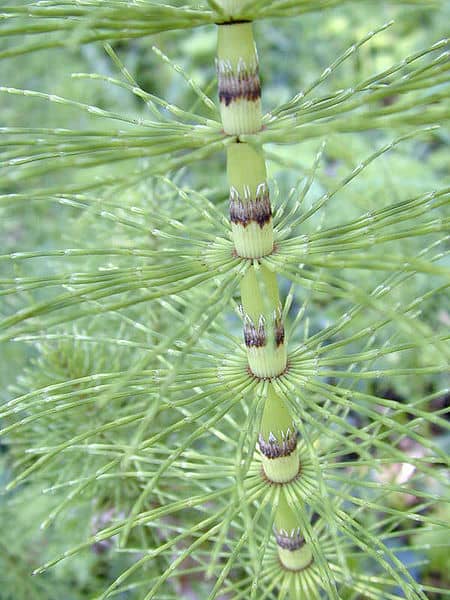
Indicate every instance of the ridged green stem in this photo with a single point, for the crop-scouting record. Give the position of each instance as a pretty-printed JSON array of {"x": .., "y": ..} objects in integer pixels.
[{"x": 252, "y": 233}]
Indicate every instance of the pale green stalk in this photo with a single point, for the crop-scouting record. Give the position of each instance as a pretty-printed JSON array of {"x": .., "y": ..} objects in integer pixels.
[{"x": 252, "y": 234}]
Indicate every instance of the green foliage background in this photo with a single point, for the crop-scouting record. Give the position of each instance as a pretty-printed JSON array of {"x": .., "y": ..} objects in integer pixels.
[{"x": 97, "y": 361}]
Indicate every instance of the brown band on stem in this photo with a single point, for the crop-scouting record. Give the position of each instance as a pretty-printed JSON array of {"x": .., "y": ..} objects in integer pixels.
[
  {"x": 273, "y": 448},
  {"x": 254, "y": 336},
  {"x": 242, "y": 84},
  {"x": 289, "y": 541},
  {"x": 236, "y": 22},
  {"x": 247, "y": 210}
]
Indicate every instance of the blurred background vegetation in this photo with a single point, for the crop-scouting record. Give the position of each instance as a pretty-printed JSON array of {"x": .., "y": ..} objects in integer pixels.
[{"x": 293, "y": 52}]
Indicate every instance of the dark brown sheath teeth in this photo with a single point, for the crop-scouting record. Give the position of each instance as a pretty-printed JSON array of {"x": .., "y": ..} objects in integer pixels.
[
  {"x": 279, "y": 332},
  {"x": 289, "y": 541},
  {"x": 238, "y": 84},
  {"x": 254, "y": 337},
  {"x": 247, "y": 211},
  {"x": 239, "y": 87},
  {"x": 274, "y": 448}
]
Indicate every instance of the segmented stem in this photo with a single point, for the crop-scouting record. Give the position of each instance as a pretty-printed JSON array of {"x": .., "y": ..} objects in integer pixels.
[{"x": 252, "y": 233}]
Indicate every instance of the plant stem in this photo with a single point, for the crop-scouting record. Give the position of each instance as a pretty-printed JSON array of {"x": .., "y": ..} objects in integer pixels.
[{"x": 252, "y": 233}]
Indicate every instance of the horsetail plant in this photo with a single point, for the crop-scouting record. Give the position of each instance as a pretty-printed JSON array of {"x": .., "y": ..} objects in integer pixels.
[
  {"x": 252, "y": 235},
  {"x": 207, "y": 409}
]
